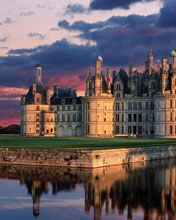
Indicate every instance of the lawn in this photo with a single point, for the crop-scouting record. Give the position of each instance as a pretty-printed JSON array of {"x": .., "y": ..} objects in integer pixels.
[{"x": 86, "y": 143}]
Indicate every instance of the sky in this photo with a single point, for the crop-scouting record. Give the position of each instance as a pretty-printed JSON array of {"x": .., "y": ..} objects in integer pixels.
[{"x": 66, "y": 37}]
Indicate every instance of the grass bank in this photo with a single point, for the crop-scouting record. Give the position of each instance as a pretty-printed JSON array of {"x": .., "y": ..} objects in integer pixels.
[{"x": 85, "y": 143}]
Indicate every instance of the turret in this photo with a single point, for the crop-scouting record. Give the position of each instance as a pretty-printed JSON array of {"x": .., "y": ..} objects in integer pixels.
[
  {"x": 99, "y": 65},
  {"x": 150, "y": 62},
  {"x": 98, "y": 76},
  {"x": 108, "y": 81},
  {"x": 38, "y": 73}
]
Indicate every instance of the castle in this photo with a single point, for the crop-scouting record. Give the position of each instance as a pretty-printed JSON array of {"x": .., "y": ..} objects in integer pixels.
[{"x": 118, "y": 104}]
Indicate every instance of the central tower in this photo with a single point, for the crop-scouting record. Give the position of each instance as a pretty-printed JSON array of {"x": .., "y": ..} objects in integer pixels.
[{"x": 98, "y": 103}]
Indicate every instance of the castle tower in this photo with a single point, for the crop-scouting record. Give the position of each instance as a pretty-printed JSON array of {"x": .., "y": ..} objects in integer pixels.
[
  {"x": 38, "y": 73},
  {"x": 98, "y": 104},
  {"x": 150, "y": 62},
  {"x": 98, "y": 76},
  {"x": 164, "y": 74},
  {"x": 108, "y": 81}
]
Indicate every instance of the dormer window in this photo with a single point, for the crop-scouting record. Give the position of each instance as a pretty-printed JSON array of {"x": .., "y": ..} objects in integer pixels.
[{"x": 63, "y": 101}]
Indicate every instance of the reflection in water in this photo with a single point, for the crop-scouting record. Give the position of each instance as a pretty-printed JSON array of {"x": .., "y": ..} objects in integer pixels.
[{"x": 151, "y": 188}]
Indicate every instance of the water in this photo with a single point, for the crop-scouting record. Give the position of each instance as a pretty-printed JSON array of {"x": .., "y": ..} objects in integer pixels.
[{"x": 122, "y": 192}]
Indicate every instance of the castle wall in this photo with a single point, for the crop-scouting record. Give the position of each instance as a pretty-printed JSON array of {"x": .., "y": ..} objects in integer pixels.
[{"x": 83, "y": 158}]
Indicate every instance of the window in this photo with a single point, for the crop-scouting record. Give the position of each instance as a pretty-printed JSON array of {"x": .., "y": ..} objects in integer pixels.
[
  {"x": 87, "y": 129},
  {"x": 68, "y": 108},
  {"x": 87, "y": 117},
  {"x": 80, "y": 107},
  {"x": 63, "y": 108},
  {"x": 63, "y": 101},
  {"x": 129, "y": 106},
  {"x": 135, "y": 118},
  {"x": 68, "y": 118},
  {"x": 139, "y": 106},
  {"x": 129, "y": 117},
  {"x": 63, "y": 118},
  {"x": 117, "y": 117},
  {"x": 170, "y": 116},
  {"x": 118, "y": 95},
  {"x": 153, "y": 85},
  {"x": 146, "y": 117},
  {"x": 118, "y": 87},
  {"x": 146, "y": 105},
  {"x": 118, "y": 106},
  {"x": 122, "y": 130},
  {"x": 122, "y": 106},
  {"x": 134, "y": 106},
  {"x": 74, "y": 117},
  {"x": 139, "y": 129},
  {"x": 134, "y": 129},
  {"x": 170, "y": 103},
  {"x": 74, "y": 101},
  {"x": 152, "y": 106},
  {"x": 104, "y": 119},
  {"x": 140, "y": 117},
  {"x": 38, "y": 99},
  {"x": 153, "y": 117},
  {"x": 74, "y": 108},
  {"x": 129, "y": 130},
  {"x": 170, "y": 129},
  {"x": 51, "y": 130},
  {"x": 80, "y": 117},
  {"x": 37, "y": 108},
  {"x": 122, "y": 117},
  {"x": 117, "y": 130}
]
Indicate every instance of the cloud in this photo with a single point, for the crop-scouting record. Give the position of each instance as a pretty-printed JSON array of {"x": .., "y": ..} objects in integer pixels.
[
  {"x": 37, "y": 36},
  {"x": 8, "y": 20},
  {"x": 27, "y": 13},
  {"x": 111, "y": 4},
  {"x": 3, "y": 39},
  {"x": 4, "y": 48},
  {"x": 168, "y": 14},
  {"x": 75, "y": 9},
  {"x": 41, "y": 6}
]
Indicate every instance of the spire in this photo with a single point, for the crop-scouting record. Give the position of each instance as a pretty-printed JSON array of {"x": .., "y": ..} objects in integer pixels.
[{"x": 38, "y": 73}]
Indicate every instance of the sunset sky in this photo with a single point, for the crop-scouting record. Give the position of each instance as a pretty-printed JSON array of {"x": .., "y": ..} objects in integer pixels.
[{"x": 66, "y": 36}]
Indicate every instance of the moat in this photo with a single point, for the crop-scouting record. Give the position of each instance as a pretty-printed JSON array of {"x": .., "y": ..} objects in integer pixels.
[{"x": 140, "y": 191}]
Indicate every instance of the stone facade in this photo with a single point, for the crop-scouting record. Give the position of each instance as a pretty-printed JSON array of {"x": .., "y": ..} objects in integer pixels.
[{"x": 129, "y": 104}]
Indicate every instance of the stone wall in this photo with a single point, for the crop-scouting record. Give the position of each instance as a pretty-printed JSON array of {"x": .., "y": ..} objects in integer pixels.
[{"x": 83, "y": 158}]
